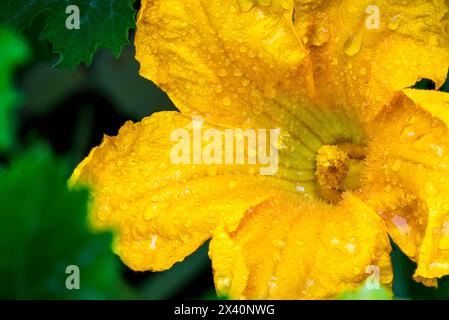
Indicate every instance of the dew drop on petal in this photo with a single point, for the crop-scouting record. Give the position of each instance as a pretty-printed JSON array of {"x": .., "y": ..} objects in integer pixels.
[
  {"x": 222, "y": 73},
  {"x": 350, "y": 248},
  {"x": 246, "y": 5},
  {"x": 397, "y": 165},
  {"x": 335, "y": 241},
  {"x": 103, "y": 213},
  {"x": 188, "y": 223},
  {"x": 408, "y": 134},
  {"x": 395, "y": 22},
  {"x": 353, "y": 44},
  {"x": 421, "y": 144},
  {"x": 279, "y": 243},
  {"x": 356, "y": 271},
  {"x": 227, "y": 101},
  {"x": 218, "y": 89}
]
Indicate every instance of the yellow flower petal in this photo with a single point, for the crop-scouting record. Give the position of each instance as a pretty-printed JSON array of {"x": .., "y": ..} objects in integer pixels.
[
  {"x": 162, "y": 211},
  {"x": 241, "y": 64},
  {"x": 232, "y": 62},
  {"x": 408, "y": 177},
  {"x": 290, "y": 249},
  {"x": 360, "y": 64}
]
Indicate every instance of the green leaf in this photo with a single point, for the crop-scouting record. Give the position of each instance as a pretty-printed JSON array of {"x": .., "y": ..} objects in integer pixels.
[
  {"x": 13, "y": 51},
  {"x": 365, "y": 292},
  {"x": 103, "y": 24},
  {"x": 43, "y": 230}
]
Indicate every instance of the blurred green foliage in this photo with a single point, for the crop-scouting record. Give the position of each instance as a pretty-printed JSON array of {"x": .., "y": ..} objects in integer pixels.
[
  {"x": 103, "y": 24},
  {"x": 365, "y": 293},
  {"x": 44, "y": 230},
  {"x": 13, "y": 51}
]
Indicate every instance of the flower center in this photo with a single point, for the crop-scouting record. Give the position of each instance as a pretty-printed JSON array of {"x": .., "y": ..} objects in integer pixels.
[{"x": 338, "y": 169}]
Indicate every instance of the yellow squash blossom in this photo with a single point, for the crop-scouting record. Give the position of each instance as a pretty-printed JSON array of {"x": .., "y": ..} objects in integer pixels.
[{"x": 362, "y": 155}]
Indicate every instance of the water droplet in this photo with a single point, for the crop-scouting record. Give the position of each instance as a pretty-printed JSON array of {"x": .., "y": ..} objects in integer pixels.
[
  {"x": 246, "y": 5},
  {"x": 397, "y": 165},
  {"x": 422, "y": 143},
  {"x": 356, "y": 271},
  {"x": 264, "y": 3},
  {"x": 300, "y": 188},
  {"x": 310, "y": 282},
  {"x": 395, "y": 22},
  {"x": 335, "y": 242},
  {"x": 227, "y": 101},
  {"x": 272, "y": 285},
  {"x": 363, "y": 71},
  {"x": 223, "y": 282},
  {"x": 408, "y": 134},
  {"x": 188, "y": 223},
  {"x": 438, "y": 150},
  {"x": 279, "y": 243},
  {"x": 185, "y": 238},
  {"x": 154, "y": 208},
  {"x": 320, "y": 37},
  {"x": 222, "y": 73},
  {"x": 103, "y": 214},
  {"x": 350, "y": 248},
  {"x": 353, "y": 44}
]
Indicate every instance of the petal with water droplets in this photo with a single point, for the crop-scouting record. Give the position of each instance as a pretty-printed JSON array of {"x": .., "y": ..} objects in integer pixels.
[
  {"x": 373, "y": 49},
  {"x": 287, "y": 248},
  {"x": 224, "y": 60},
  {"x": 407, "y": 178},
  {"x": 163, "y": 211}
]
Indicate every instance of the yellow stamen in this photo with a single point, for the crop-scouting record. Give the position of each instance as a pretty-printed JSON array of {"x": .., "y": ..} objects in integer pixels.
[
  {"x": 338, "y": 168},
  {"x": 332, "y": 166}
]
